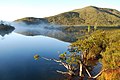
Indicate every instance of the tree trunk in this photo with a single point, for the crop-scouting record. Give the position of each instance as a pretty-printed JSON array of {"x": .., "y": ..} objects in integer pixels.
[{"x": 80, "y": 72}]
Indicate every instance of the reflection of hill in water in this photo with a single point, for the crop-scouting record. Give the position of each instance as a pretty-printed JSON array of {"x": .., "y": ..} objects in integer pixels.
[
  {"x": 58, "y": 33},
  {"x": 64, "y": 33},
  {"x": 50, "y": 33},
  {"x": 4, "y": 29}
]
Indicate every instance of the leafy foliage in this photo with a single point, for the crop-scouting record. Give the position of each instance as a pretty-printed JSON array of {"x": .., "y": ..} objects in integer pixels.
[
  {"x": 103, "y": 45},
  {"x": 36, "y": 57}
]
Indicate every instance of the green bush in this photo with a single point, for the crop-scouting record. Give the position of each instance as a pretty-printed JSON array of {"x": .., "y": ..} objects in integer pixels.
[{"x": 103, "y": 45}]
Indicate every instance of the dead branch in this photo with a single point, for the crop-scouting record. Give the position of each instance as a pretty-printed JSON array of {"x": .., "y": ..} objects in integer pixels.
[
  {"x": 69, "y": 73},
  {"x": 80, "y": 62},
  {"x": 98, "y": 74},
  {"x": 80, "y": 72},
  {"x": 67, "y": 66},
  {"x": 61, "y": 72}
]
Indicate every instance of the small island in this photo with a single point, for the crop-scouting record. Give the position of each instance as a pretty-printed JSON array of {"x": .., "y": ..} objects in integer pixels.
[{"x": 5, "y": 28}]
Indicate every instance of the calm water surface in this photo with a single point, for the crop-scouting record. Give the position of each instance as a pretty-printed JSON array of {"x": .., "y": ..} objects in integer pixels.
[{"x": 17, "y": 62}]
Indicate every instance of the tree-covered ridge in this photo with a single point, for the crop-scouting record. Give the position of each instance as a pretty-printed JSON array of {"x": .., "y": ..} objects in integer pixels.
[
  {"x": 105, "y": 46},
  {"x": 32, "y": 20},
  {"x": 68, "y": 18},
  {"x": 90, "y": 15}
]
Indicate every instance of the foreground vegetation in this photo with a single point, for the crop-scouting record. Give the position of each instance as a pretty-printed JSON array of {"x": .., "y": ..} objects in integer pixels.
[
  {"x": 100, "y": 45},
  {"x": 105, "y": 46}
]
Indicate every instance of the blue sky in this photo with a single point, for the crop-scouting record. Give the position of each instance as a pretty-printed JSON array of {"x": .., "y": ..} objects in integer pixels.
[{"x": 15, "y": 9}]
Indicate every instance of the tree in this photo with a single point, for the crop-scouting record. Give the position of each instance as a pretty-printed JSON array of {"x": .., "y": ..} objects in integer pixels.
[
  {"x": 88, "y": 28},
  {"x": 1, "y": 22},
  {"x": 73, "y": 62},
  {"x": 95, "y": 27}
]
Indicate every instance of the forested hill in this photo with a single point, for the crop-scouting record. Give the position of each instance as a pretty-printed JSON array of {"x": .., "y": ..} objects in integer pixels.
[
  {"x": 89, "y": 15},
  {"x": 32, "y": 20}
]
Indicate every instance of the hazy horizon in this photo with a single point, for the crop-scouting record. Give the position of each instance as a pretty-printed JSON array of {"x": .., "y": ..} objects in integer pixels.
[{"x": 15, "y": 9}]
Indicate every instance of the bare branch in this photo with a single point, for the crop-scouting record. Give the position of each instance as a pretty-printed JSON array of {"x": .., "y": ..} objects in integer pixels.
[
  {"x": 98, "y": 74},
  {"x": 58, "y": 61},
  {"x": 62, "y": 72}
]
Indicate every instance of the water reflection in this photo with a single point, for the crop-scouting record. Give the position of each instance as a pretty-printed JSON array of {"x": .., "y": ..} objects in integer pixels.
[
  {"x": 17, "y": 51},
  {"x": 6, "y": 30},
  {"x": 64, "y": 33},
  {"x": 67, "y": 37},
  {"x": 17, "y": 61}
]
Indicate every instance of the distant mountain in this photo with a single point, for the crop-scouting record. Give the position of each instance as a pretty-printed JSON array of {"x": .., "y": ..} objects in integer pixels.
[
  {"x": 32, "y": 20},
  {"x": 89, "y": 15}
]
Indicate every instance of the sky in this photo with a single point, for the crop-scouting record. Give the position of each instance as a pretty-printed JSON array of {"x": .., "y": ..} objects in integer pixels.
[{"x": 16, "y": 9}]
